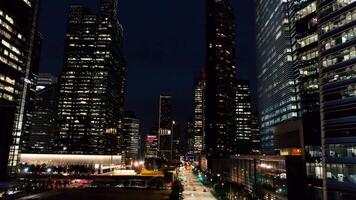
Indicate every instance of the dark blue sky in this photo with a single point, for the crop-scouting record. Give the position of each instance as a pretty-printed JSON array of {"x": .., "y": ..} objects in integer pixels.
[{"x": 164, "y": 46}]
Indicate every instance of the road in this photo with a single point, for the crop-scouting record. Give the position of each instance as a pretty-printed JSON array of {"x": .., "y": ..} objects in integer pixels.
[
  {"x": 195, "y": 190},
  {"x": 102, "y": 194}
]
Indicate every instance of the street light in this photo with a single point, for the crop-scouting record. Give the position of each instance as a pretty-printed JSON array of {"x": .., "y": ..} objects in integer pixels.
[{"x": 26, "y": 169}]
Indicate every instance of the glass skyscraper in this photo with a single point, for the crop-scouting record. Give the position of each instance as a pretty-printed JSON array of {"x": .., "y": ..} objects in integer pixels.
[
  {"x": 165, "y": 127},
  {"x": 18, "y": 24},
  {"x": 131, "y": 136},
  {"x": 199, "y": 113},
  {"x": 91, "y": 86},
  {"x": 220, "y": 93},
  {"x": 337, "y": 29},
  {"x": 277, "y": 99},
  {"x": 244, "y": 137}
]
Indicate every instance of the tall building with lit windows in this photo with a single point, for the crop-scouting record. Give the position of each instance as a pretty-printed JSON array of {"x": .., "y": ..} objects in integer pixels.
[
  {"x": 244, "y": 137},
  {"x": 220, "y": 125},
  {"x": 165, "y": 127},
  {"x": 337, "y": 44},
  {"x": 18, "y": 30},
  {"x": 277, "y": 99},
  {"x": 199, "y": 113},
  {"x": 91, "y": 85}
]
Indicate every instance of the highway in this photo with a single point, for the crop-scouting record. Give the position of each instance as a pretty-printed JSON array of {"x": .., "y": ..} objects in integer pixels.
[{"x": 195, "y": 190}]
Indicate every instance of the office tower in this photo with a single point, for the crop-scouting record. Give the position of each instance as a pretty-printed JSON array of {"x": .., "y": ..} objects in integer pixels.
[
  {"x": 89, "y": 105},
  {"x": 44, "y": 80},
  {"x": 165, "y": 127},
  {"x": 31, "y": 92},
  {"x": 151, "y": 146},
  {"x": 337, "y": 31},
  {"x": 255, "y": 134},
  {"x": 220, "y": 85},
  {"x": 176, "y": 141},
  {"x": 277, "y": 100},
  {"x": 199, "y": 113},
  {"x": 43, "y": 120},
  {"x": 243, "y": 118},
  {"x": 304, "y": 38},
  {"x": 189, "y": 136},
  {"x": 132, "y": 138},
  {"x": 18, "y": 22}
]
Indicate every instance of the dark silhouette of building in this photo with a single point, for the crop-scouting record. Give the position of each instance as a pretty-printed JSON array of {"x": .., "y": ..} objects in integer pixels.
[
  {"x": 43, "y": 124},
  {"x": 165, "y": 127},
  {"x": 220, "y": 124},
  {"x": 255, "y": 134},
  {"x": 18, "y": 63},
  {"x": 131, "y": 136},
  {"x": 30, "y": 104},
  {"x": 92, "y": 83}
]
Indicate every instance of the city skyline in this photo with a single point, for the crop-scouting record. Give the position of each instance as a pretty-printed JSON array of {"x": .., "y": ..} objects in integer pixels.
[
  {"x": 209, "y": 99},
  {"x": 143, "y": 51}
]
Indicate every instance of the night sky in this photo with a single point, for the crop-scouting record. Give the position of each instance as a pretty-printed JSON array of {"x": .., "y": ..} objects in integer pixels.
[{"x": 164, "y": 46}]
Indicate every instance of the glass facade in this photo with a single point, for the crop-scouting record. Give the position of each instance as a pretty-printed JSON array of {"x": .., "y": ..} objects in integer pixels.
[
  {"x": 277, "y": 99},
  {"x": 90, "y": 101},
  {"x": 18, "y": 24},
  {"x": 338, "y": 82},
  {"x": 269, "y": 177},
  {"x": 131, "y": 135}
]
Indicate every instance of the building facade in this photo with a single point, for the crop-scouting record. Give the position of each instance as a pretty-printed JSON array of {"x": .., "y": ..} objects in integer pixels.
[
  {"x": 337, "y": 31},
  {"x": 151, "y": 143},
  {"x": 269, "y": 177},
  {"x": 131, "y": 135},
  {"x": 18, "y": 31},
  {"x": 243, "y": 118},
  {"x": 43, "y": 123},
  {"x": 255, "y": 134},
  {"x": 277, "y": 99},
  {"x": 199, "y": 114},
  {"x": 220, "y": 124},
  {"x": 165, "y": 127},
  {"x": 91, "y": 85}
]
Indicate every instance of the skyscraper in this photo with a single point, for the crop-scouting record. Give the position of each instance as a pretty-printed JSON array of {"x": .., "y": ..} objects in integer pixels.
[
  {"x": 176, "y": 141},
  {"x": 44, "y": 80},
  {"x": 131, "y": 136},
  {"x": 43, "y": 120},
  {"x": 199, "y": 113},
  {"x": 91, "y": 85},
  {"x": 18, "y": 29},
  {"x": 165, "y": 127},
  {"x": 220, "y": 85},
  {"x": 31, "y": 92},
  {"x": 337, "y": 41},
  {"x": 243, "y": 118},
  {"x": 151, "y": 145},
  {"x": 255, "y": 134},
  {"x": 277, "y": 99}
]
